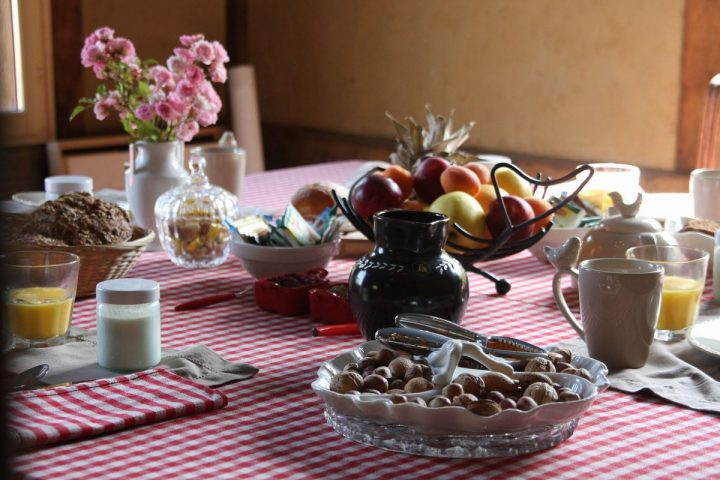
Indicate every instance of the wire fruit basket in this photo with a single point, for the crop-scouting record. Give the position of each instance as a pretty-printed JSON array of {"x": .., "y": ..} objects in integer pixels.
[{"x": 500, "y": 246}]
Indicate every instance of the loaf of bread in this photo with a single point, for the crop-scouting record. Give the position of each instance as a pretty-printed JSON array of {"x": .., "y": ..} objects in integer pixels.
[
  {"x": 311, "y": 199},
  {"x": 76, "y": 219}
]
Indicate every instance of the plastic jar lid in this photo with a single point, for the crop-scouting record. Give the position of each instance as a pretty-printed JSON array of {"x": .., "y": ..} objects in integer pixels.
[
  {"x": 128, "y": 291},
  {"x": 68, "y": 183}
]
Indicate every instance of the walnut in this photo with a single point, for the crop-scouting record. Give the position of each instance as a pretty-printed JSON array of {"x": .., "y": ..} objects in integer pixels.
[
  {"x": 384, "y": 356},
  {"x": 346, "y": 381},
  {"x": 470, "y": 383},
  {"x": 541, "y": 392},
  {"x": 414, "y": 371},
  {"x": 399, "y": 365},
  {"x": 539, "y": 364}
]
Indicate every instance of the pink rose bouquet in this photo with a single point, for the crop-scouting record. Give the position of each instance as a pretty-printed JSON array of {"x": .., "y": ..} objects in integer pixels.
[{"x": 154, "y": 102}]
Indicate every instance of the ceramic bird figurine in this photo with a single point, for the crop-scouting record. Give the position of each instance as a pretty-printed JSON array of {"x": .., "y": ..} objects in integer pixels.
[
  {"x": 627, "y": 210},
  {"x": 565, "y": 257}
]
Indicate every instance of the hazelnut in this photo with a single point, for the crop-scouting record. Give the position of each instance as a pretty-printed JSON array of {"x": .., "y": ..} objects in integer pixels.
[
  {"x": 439, "y": 401},
  {"x": 565, "y": 353},
  {"x": 500, "y": 382},
  {"x": 427, "y": 372},
  {"x": 464, "y": 400},
  {"x": 555, "y": 357},
  {"x": 419, "y": 401},
  {"x": 470, "y": 383},
  {"x": 568, "y": 396},
  {"x": 484, "y": 408},
  {"x": 507, "y": 404},
  {"x": 383, "y": 372},
  {"x": 414, "y": 371},
  {"x": 539, "y": 364},
  {"x": 370, "y": 391},
  {"x": 396, "y": 398},
  {"x": 367, "y": 362},
  {"x": 584, "y": 373},
  {"x": 452, "y": 390},
  {"x": 417, "y": 385},
  {"x": 345, "y": 381},
  {"x": 397, "y": 383},
  {"x": 541, "y": 392},
  {"x": 368, "y": 371},
  {"x": 560, "y": 366},
  {"x": 399, "y": 365},
  {"x": 376, "y": 382},
  {"x": 384, "y": 356},
  {"x": 526, "y": 378},
  {"x": 495, "y": 396},
  {"x": 525, "y": 404},
  {"x": 352, "y": 367}
]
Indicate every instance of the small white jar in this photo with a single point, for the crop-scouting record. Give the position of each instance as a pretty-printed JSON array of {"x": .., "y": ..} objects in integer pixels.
[{"x": 128, "y": 324}]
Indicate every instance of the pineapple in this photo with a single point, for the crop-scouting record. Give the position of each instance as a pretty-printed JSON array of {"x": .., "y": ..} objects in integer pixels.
[{"x": 416, "y": 143}]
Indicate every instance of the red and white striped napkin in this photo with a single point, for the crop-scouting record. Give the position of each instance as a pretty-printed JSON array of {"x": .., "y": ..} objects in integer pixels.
[{"x": 39, "y": 417}]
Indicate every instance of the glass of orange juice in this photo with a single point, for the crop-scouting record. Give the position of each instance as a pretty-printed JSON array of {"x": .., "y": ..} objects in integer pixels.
[
  {"x": 685, "y": 271},
  {"x": 38, "y": 294}
]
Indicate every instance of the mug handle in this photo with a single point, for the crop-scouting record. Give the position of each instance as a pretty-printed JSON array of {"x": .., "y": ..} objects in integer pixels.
[{"x": 562, "y": 304}]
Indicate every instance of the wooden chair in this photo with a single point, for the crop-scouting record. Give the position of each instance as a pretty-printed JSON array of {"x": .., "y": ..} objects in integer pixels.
[{"x": 709, "y": 147}]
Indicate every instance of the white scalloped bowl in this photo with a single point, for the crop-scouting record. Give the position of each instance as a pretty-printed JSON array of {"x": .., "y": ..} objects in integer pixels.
[{"x": 454, "y": 419}]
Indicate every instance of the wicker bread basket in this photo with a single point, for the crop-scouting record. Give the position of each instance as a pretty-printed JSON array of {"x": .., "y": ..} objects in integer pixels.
[{"x": 97, "y": 262}]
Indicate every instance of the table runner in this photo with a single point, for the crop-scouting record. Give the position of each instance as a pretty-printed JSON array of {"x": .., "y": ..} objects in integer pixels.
[
  {"x": 273, "y": 426},
  {"x": 44, "y": 416}
]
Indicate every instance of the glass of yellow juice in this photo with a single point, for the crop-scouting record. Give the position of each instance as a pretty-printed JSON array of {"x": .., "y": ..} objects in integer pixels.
[
  {"x": 38, "y": 295},
  {"x": 685, "y": 272}
]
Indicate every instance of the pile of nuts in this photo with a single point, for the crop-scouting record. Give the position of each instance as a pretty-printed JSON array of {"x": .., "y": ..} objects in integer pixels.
[{"x": 395, "y": 374}]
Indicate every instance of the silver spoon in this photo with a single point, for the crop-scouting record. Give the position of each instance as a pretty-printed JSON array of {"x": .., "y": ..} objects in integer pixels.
[
  {"x": 493, "y": 344},
  {"x": 29, "y": 377}
]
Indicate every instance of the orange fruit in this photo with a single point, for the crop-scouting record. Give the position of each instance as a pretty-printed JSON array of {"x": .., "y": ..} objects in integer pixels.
[
  {"x": 481, "y": 170},
  {"x": 413, "y": 205},
  {"x": 486, "y": 195},
  {"x": 539, "y": 206},
  {"x": 458, "y": 178},
  {"x": 402, "y": 177}
]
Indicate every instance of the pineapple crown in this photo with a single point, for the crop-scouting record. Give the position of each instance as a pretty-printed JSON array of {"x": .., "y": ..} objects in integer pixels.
[{"x": 415, "y": 142}]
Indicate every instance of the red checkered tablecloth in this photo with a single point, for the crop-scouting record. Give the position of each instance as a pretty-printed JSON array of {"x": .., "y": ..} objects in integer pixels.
[{"x": 273, "y": 426}]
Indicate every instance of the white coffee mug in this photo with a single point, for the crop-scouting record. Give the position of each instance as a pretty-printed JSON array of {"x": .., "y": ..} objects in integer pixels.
[
  {"x": 705, "y": 193},
  {"x": 619, "y": 307}
]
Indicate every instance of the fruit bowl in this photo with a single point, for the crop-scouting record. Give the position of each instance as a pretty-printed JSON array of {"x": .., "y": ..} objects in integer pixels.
[{"x": 503, "y": 244}]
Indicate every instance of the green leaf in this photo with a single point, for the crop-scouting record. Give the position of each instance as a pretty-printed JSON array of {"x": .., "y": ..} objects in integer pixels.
[{"x": 77, "y": 110}]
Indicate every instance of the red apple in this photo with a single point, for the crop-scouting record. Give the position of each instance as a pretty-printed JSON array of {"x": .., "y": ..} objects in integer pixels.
[
  {"x": 374, "y": 193},
  {"x": 427, "y": 178},
  {"x": 518, "y": 210}
]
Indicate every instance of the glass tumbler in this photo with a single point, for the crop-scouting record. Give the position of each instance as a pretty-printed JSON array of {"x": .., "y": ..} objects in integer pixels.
[
  {"x": 38, "y": 295},
  {"x": 685, "y": 271}
]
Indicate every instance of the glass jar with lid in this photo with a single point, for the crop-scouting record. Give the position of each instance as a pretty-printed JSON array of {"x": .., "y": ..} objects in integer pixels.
[{"x": 191, "y": 219}]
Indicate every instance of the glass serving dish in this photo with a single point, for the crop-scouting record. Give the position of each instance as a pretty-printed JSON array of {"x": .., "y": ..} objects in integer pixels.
[
  {"x": 454, "y": 432},
  {"x": 491, "y": 249},
  {"x": 190, "y": 220}
]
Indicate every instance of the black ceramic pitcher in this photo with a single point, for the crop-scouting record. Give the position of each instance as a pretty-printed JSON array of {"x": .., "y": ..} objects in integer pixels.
[{"x": 408, "y": 271}]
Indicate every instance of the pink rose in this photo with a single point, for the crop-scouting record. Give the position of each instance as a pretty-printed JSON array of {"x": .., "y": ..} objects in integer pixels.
[
  {"x": 101, "y": 109},
  {"x": 162, "y": 77},
  {"x": 177, "y": 65},
  {"x": 206, "y": 89},
  {"x": 122, "y": 48},
  {"x": 218, "y": 73},
  {"x": 92, "y": 55},
  {"x": 178, "y": 103},
  {"x": 188, "y": 40},
  {"x": 187, "y": 130},
  {"x": 187, "y": 55},
  {"x": 104, "y": 33},
  {"x": 144, "y": 111},
  {"x": 221, "y": 54},
  {"x": 99, "y": 71},
  {"x": 185, "y": 89},
  {"x": 204, "y": 51},
  {"x": 165, "y": 111},
  {"x": 195, "y": 74}
]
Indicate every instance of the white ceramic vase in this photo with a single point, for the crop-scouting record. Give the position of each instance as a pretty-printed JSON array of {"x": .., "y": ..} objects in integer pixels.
[{"x": 155, "y": 167}]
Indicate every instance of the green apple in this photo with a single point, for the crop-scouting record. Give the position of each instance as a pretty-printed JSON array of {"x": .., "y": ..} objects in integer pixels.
[{"x": 464, "y": 210}]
